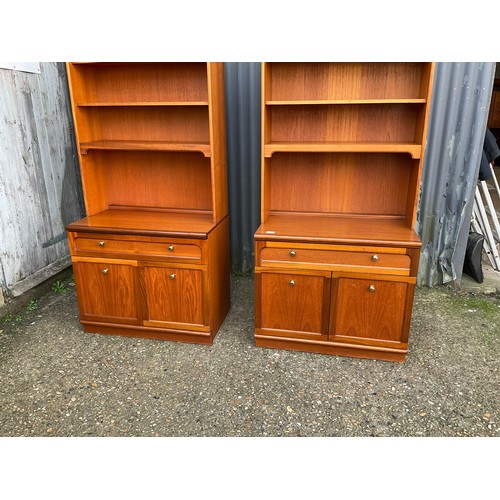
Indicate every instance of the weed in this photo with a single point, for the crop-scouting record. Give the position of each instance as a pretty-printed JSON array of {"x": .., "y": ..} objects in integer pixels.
[
  {"x": 8, "y": 318},
  {"x": 59, "y": 287},
  {"x": 18, "y": 318},
  {"x": 32, "y": 306}
]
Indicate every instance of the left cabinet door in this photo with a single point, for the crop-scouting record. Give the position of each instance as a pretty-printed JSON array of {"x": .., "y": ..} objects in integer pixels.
[
  {"x": 107, "y": 291},
  {"x": 174, "y": 298}
]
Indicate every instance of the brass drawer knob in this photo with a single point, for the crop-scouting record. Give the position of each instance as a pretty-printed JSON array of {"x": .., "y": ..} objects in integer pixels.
[
  {"x": 375, "y": 258},
  {"x": 171, "y": 248},
  {"x": 105, "y": 271},
  {"x": 292, "y": 253},
  {"x": 101, "y": 243},
  {"x": 371, "y": 288},
  {"x": 172, "y": 276},
  {"x": 292, "y": 282}
]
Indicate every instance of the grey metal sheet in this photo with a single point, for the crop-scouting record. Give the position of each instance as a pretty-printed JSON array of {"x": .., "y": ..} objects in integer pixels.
[{"x": 455, "y": 136}]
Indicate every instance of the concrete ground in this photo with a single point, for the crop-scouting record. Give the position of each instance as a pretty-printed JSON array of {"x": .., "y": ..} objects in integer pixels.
[{"x": 56, "y": 380}]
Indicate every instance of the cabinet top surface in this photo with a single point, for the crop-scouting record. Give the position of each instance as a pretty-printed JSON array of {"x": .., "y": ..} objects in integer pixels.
[
  {"x": 385, "y": 231},
  {"x": 147, "y": 222}
]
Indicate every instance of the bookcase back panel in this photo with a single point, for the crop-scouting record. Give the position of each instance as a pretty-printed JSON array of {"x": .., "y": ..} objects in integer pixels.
[
  {"x": 165, "y": 82},
  {"x": 371, "y": 184},
  {"x": 330, "y": 81},
  {"x": 155, "y": 179},
  {"x": 357, "y": 123},
  {"x": 146, "y": 124}
]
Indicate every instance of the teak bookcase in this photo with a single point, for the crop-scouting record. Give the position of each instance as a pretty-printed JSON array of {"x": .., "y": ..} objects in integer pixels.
[
  {"x": 336, "y": 254},
  {"x": 151, "y": 257}
]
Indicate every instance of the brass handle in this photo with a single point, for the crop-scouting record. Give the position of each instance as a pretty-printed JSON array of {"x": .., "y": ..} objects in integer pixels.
[
  {"x": 374, "y": 258},
  {"x": 101, "y": 243},
  {"x": 371, "y": 288},
  {"x": 171, "y": 248},
  {"x": 292, "y": 253},
  {"x": 292, "y": 282},
  {"x": 105, "y": 271},
  {"x": 172, "y": 276}
]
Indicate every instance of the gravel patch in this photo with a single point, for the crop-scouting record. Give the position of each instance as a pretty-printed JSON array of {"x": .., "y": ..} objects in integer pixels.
[{"x": 57, "y": 380}]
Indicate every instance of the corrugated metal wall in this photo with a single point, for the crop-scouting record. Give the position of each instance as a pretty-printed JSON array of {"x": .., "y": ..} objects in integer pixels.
[
  {"x": 457, "y": 126},
  {"x": 243, "y": 124},
  {"x": 39, "y": 180}
]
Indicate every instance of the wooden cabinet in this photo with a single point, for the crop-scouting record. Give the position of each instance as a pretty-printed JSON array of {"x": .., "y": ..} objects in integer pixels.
[
  {"x": 342, "y": 154},
  {"x": 151, "y": 257}
]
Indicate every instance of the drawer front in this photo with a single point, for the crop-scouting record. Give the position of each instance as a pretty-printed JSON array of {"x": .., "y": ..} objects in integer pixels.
[
  {"x": 336, "y": 259},
  {"x": 105, "y": 246}
]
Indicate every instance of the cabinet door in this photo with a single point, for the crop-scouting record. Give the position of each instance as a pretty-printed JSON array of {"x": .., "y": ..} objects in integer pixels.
[
  {"x": 369, "y": 309},
  {"x": 174, "y": 297},
  {"x": 107, "y": 292},
  {"x": 295, "y": 305}
]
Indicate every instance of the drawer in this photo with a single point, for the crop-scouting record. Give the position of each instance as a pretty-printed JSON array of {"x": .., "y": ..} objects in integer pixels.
[
  {"x": 361, "y": 261},
  {"x": 164, "y": 249}
]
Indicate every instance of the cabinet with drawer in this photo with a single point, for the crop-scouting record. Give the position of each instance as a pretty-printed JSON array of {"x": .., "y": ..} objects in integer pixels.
[
  {"x": 151, "y": 257},
  {"x": 336, "y": 253}
]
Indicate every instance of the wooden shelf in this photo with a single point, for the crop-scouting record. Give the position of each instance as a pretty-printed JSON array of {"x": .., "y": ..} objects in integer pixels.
[
  {"x": 141, "y": 103},
  {"x": 344, "y": 101},
  {"x": 344, "y": 229},
  {"x": 203, "y": 148},
  {"x": 414, "y": 149},
  {"x": 147, "y": 222}
]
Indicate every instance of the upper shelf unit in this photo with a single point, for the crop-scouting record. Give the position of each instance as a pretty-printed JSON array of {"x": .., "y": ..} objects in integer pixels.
[{"x": 345, "y": 107}]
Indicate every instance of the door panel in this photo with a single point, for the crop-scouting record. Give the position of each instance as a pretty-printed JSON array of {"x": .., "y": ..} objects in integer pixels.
[
  {"x": 106, "y": 292},
  {"x": 294, "y": 302},
  {"x": 369, "y": 309},
  {"x": 174, "y": 295}
]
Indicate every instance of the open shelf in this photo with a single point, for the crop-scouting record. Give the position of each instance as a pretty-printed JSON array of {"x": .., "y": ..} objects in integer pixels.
[
  {"x": 147, "y": 222},
  {"x": 413, "y": 149},
  {"x": 141, "y": 103},
  {"x": 345, "y": 101},
  {"x": 203, "y": 148},
  {"x": 344, "y": 229}
]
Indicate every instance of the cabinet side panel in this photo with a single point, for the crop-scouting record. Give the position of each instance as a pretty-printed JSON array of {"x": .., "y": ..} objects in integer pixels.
[
  {"x": 218, "y": 275},
  {"x": 217, "y": 125}
]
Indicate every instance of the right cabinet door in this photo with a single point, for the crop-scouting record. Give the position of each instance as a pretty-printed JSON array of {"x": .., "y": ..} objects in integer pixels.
[
  {"x": 174, "y": 298},
  {"x": 368, "y": 309}
]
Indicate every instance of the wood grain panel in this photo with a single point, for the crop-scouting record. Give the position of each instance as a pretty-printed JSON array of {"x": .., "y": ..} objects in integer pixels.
[
  {"x": 109, "y": 295},
  {"x": 219, "y": 274},
  {"x": 299, "y": 307},
  {"x": 345, "y": 229},
  {"x": 177, "y": 300},
  {"x": 339, "y": 183},
  {"x": 362, "y": 313},
  {"x": 328, "y": 259},
  {"x": 105, "y": 246},
  {"x": 217, "y": 121},
  {"x": 154, "y": 179},
  {"x": 146, "y": 222},
  {"x": 121, "y": 82},
  {"x": 357, "y": 123},
  {"x": 181, "y": 124},
  {"x": 303, "y": 81}
]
